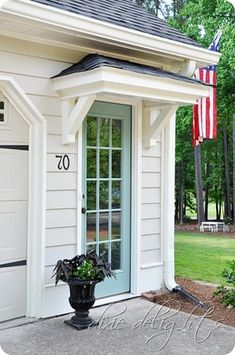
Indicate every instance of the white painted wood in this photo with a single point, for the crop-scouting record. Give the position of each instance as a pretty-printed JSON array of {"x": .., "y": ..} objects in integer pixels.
[
  {"x": 61, "y": 199},
  {"x": 47, "y": 105},
  {"x": 151, "y": 164},
  {"x": 39, "y": 50},
  {"x": 34, "y": 85},
  {"x": 154, "y": 151},
  {"x": 151, "y": 180},
  {"x": 15, "y": 130},
  {"x": 13, "y": 230},
  {"x": 151, "y": 195},
  {"x": 53, "y": 254},
  {"x": 13, "y": 175},
  {"x": 53, "y": 124},
  {"x": 149, "y": 242},
  {"x": 151, "y": 276},
  {"x": 53, "y": 162},
  {"x": 29, "y": 65},
  {"x": 151, "y": 211},
  {"x": 150, "y": 226},
  {"x": 61, "y": 181},
  {"x": 13, "y": 292},
  {"x": 60, "y": 218},
  {"x": 61, "y": 236},
  {"x": 36, "y": 197},
  {"x": 13, "y": 217},
  {"x": 54, "y": 145},
  {"x": 72, "y": 121},
  {"x": 150, "y": 256},
  {"x": 71, "y": 24},
  {"x": 136, "y": 196}
]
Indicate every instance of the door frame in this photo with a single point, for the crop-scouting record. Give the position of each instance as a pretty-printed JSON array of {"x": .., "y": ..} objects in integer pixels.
[
  {"x": 36, "y": 196},
  {"x": 136, "y": 152}
]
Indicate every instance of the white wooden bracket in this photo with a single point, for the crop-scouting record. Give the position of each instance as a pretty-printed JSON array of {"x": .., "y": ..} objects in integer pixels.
[
  {"x": 73, "y": 114},
  {"x": 153, "y": 120}
]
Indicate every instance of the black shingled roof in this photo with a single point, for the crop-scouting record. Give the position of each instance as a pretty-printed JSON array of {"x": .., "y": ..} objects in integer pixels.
[
  {"x": 93, "y": 61},
  {"x": 125, "y": 13}
]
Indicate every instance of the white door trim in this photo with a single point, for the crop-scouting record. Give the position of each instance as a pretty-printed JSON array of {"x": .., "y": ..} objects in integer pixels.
[
  {"x": 37, "y": 193},
  {"x": 136, "y": 142}
]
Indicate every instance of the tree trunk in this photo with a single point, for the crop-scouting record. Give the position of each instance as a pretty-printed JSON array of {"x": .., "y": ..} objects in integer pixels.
[
  {"x": 181, "y": 193},
  {"x": 207, "y": 190},
  {"x": 234, "y": 168},
  {"x": 199, "y": 190},
  {"x": 227, "y": 211}
]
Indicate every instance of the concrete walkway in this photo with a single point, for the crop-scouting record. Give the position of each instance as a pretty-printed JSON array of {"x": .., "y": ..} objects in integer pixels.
[{"x": 130, "y": 327}]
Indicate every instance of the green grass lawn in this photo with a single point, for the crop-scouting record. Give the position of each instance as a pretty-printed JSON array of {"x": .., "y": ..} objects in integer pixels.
[{"x": 202, "y": 256}]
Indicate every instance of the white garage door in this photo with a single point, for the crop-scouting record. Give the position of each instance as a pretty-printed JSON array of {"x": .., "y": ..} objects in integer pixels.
[{"x": 13, "y": 229}]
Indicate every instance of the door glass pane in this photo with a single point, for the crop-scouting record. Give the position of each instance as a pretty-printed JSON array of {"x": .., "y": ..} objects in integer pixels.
[
  {"x": 104, "y": 163},
  {"x": 91, "y": 131},
  {"x": 116, "y": 163},
  {"x": 116, "y": 194},
  {"x": 104, "y": 195},
  {"x": 116, "y": 133},
  {"x": 104, "y": 251},
  {"x": 1, "y": 117},
  {"x": 116, "y": 255},
  {"x": 91, "y": 195},
  {"x": 91, "y": 247},
  {"x": 91, "y": 227},
  {"x": 104, "y": 226},
  {"x": 91, "y": 163},
  {"x": 116, "y": 224},
  {"x": 104, "y": 132}
]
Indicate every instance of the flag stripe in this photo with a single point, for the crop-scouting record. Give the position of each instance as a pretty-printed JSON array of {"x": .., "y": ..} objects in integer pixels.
[{"x": 205, "y": 111}]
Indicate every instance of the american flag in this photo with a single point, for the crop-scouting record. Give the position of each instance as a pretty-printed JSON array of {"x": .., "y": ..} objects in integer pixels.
[{"x": 205, "y": 111}]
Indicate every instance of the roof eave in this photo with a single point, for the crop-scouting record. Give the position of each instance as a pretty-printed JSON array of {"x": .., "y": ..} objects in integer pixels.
[
  {"x": 122, "y": 82},
  {"x": 86, "y": 27}
]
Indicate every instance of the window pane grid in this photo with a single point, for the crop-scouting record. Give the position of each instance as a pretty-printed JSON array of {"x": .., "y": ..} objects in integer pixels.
[{"x": 108, "y": 181}]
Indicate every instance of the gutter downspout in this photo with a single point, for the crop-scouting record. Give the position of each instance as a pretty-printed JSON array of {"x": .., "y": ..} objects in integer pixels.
[{"x": 169, "y": 204}]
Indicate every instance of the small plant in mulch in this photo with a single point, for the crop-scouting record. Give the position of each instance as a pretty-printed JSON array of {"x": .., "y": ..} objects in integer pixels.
[{"x": 227, "y": 293}]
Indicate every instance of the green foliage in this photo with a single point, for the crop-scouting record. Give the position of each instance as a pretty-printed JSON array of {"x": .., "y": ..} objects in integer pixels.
[
  {"x": 85, "y": 271},
  {"x": 227, "y": 293},
  {"x": 84, "y": 267},
  {"x": 200, "y": 19}
]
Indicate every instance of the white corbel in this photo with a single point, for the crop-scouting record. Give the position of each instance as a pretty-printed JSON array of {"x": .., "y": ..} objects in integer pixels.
[
  {"x": 73, "y": 114},
  {"x": 153, "y": 120}
]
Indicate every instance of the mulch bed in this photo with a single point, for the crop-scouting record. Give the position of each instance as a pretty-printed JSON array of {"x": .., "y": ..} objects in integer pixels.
[{"x": 203, "y": 292}]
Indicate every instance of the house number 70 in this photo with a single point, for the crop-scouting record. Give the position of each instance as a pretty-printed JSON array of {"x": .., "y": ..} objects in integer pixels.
[{"x": 64, "y": 162}]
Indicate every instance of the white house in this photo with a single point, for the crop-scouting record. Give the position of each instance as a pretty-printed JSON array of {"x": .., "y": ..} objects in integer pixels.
[{"x": 88, "y": 95}]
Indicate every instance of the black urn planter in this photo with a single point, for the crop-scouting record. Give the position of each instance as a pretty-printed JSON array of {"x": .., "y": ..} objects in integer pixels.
[{"x": 82, "y": 298}]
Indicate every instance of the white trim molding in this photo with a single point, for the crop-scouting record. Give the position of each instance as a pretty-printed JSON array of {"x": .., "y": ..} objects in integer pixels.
[
  {"x": 37, "y": 192},
  {"x": 78, "y": 91},
  {"x": 71, "y": 24},
  {"x": 153, "y": 120},
  {"x": 73, "y": 114}
]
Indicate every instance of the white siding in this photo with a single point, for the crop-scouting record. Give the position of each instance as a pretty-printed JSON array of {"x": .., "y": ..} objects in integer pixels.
[{"x": 151, "y": 207}]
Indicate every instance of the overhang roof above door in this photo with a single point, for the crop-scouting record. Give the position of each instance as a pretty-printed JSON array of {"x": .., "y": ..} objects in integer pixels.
[{"x": 96, "y": 76}]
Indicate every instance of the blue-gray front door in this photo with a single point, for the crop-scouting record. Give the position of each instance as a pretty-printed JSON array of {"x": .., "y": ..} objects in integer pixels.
[{"x": 106, "y": 186}]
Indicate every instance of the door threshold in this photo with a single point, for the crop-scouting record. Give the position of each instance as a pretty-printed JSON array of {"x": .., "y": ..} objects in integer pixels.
[
  {"x": 17, "y": 322},
  {"x": 115, "y": 298}
]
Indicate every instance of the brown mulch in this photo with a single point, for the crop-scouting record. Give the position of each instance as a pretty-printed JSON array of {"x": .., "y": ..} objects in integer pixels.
[{"x": 203, "y": 292}]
